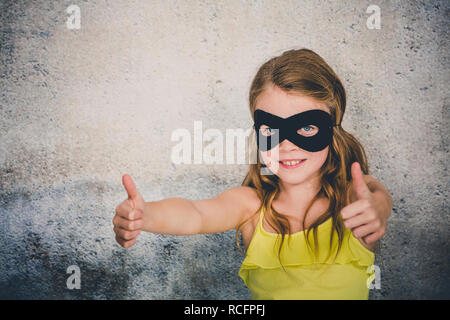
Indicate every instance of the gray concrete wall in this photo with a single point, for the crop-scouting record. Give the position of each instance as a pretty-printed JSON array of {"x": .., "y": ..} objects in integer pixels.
[{"x": 79, "y": 108}]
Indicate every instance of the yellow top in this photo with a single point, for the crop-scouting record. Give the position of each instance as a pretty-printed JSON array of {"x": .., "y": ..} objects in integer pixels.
[{"x": 305, "y": 278}]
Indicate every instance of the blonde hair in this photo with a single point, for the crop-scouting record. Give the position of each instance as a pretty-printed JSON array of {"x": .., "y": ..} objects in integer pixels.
[{"x": 304, "y": 72}]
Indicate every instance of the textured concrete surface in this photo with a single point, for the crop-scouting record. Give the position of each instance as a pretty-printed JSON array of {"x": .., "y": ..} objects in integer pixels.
[{"x": 79, "y": 108}]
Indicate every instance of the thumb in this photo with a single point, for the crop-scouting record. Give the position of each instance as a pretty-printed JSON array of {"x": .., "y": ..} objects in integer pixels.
[
  {"x": 359, "y": 185},
  {"x": 130, "y": 187}
]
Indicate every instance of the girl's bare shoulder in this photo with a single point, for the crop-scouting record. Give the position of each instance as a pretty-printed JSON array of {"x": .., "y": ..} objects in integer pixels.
[
  {"x": 246, "y": 198},
  {"x": 250, "y": 200}
]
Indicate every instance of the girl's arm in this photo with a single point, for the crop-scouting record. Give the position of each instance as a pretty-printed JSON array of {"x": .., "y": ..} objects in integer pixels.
[{"x": 179, "y": 216}]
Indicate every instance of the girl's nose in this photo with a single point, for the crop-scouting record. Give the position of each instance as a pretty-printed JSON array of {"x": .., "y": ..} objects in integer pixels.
[{"x": 287, "y": 146}]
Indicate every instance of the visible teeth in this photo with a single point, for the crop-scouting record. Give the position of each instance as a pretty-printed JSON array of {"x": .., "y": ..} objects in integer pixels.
[{"x": 291, "y": 163}]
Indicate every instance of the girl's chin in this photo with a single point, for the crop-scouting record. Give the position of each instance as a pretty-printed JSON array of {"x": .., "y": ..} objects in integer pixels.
[
  {"x": 291, "y": 178},
  {"x": 294, "y": 176}
]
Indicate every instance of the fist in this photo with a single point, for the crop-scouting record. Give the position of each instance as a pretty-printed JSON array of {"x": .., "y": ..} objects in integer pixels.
[
  {"x": 366, "y": 215},
  {"x": 128, "y": 221}
]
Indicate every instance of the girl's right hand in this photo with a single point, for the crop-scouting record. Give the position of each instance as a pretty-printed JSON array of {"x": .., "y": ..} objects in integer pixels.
[{"x": 128, "y": 221}]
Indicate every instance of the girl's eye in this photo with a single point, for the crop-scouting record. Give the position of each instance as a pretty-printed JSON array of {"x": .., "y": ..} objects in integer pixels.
[
  {"x": 266, "y": 131},
  {"x": 308, "y": 131}
]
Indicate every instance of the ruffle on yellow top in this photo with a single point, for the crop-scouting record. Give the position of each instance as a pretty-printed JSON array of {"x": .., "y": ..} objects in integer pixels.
[{"x": 306, "y": 276}]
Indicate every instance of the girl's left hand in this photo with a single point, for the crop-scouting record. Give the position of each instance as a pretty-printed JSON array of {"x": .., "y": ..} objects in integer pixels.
[{"x": 369, "y": 211}]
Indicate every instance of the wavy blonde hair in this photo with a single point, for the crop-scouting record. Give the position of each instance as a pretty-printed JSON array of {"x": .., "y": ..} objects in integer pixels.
[{"x": 304, "y": 72}]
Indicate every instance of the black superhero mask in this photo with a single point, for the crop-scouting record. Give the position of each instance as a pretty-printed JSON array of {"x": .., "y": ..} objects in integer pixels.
[{"x": 287, "y": 129}]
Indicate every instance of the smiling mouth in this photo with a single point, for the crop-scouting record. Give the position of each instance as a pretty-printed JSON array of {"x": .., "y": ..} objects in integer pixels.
[{"x": 291, "y": 163}]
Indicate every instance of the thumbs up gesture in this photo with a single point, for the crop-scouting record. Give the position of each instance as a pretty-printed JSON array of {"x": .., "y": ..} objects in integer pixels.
[
  {"x": 128, "y": 221},
  {"x": 367, "y": 215}
]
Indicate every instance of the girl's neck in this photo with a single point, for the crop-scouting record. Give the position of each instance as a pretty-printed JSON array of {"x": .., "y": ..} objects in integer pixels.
[{"x": 298, "y": 195}]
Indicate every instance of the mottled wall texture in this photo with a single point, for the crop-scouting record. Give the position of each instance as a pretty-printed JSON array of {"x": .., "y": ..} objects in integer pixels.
[{"x": 81, "y": 107}]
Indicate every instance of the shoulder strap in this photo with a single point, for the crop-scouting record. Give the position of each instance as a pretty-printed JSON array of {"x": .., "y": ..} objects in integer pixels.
[{"x": 261, "y": 217}]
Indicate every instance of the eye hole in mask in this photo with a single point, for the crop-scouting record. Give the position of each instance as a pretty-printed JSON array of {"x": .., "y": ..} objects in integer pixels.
[
  {"x": 310, "y": 130},
  {"x": 306, "y": 131}
]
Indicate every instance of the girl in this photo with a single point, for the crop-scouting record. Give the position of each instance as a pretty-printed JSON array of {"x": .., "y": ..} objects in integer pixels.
[{"x": 308, "y": 216}]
